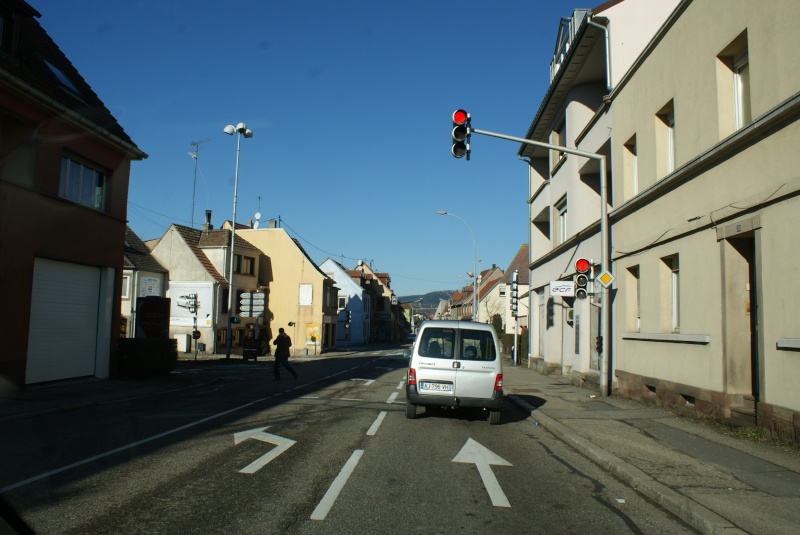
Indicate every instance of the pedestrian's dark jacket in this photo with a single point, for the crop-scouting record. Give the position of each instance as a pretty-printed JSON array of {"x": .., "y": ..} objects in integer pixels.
[{"x": 282, "y": 343}]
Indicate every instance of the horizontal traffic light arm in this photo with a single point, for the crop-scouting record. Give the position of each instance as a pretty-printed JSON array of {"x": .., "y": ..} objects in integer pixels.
[{"x": 559, "y": 148}]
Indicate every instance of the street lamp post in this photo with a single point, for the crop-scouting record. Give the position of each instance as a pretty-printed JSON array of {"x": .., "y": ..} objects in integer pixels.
[
  {"x": 241, "y": 130},
  {"x": 475, "y": 315}
]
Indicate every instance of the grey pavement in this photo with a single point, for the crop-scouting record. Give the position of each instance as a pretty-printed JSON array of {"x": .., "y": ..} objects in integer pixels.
[{"x": 714, "y": 481}]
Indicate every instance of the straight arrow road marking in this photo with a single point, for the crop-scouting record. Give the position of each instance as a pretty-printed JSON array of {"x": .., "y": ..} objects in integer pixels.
[
  {"x": 483, "y": 458},
  {"x": 281, "y": 444}
]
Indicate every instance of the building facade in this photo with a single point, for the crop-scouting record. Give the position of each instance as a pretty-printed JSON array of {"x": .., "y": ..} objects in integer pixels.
[
  {"x": 706, "y": 185},
  {"x": 64, "y": 169}
]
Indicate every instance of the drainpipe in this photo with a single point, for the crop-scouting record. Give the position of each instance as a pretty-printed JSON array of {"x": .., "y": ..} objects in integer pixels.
[{"x": 590, "y": 22}]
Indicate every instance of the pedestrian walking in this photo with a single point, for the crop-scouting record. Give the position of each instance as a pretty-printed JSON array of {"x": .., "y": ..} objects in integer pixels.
[{"x": 282, "y": 344}]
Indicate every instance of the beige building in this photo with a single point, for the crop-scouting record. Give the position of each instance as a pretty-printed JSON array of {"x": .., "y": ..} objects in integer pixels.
[
  {"x": 594, "y": 49},
  {"x": 298, "y": 292},
  {"x": 705, "y": 186},
  {"x": 199, "y": 263}
]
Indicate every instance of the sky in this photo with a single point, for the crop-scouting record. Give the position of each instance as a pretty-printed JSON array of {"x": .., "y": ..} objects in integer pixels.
[{"x": 350, "y": 104}]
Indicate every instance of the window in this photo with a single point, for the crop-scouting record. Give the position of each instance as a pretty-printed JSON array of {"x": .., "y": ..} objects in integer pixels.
[
  {"x": 665, "y": 138},
  {"x": 306, "y": 294},
  {"x": 248, "y": 265},
  {"x": 477, "y": 345},
  {"x": 503, "y": 290},
  {"x": 634, "y": 304},
  {"x": 82, "y": 184},
  {"x": 126, "y": 287},
  {"x": 631, "y": 169},
  {"x": 558, "y": 137},
  {"x": 561, "y": 221},
  {"x": 733, "y": 86},
  {"x": 741, "y": 91},
  {"x": 342, "y": 302},
  {"x": 672, "y": 292}
]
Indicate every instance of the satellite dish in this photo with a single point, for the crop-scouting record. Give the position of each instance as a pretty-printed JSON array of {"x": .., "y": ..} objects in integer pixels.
[
  {"x": 360, "y": 262},
  {"x": 258, "y": 216},
  {"x": 255, "y": 225}
]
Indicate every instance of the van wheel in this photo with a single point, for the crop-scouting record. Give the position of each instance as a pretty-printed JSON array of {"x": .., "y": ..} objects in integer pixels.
[
  {"x": 411, "y": 410},
  {"x": 494, "y": 417}
]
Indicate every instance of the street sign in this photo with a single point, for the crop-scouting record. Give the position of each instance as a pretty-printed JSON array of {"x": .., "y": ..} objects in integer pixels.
[
  {"x": 254, "y": 308},
  {"x": 562, "y": 288},
  {"x": 605, "y": 279}
]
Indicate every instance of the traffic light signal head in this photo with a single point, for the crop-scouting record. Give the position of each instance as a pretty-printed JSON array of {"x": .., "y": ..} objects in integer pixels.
[
  {"x": 582, "y": 267},
  {"x": 235, "y": 320},
  {"x": 461, "y": 129}
]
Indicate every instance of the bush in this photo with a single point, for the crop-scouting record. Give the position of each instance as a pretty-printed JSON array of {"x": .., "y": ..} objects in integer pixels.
[
  {"x": 141, "y": 358},
  {"x": 507, "y": 342}
]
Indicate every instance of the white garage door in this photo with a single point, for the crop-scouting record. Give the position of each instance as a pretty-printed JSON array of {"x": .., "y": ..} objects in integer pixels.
[{"x": 62, "y": 340}]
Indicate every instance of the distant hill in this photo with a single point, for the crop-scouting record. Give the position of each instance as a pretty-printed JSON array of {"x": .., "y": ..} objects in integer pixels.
[{"x": 430, "y": 300}]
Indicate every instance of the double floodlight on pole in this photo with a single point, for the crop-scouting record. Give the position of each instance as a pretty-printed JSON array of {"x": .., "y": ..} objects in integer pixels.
[
  {"x": 604, "y": 253},
  {"x": 474, "y": 273},
  {"x": 241, "y": 130}
]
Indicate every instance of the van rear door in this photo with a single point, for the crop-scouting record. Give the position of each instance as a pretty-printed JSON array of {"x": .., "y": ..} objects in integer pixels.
[
  {"x": 434, "y": 363},
  {"x": 477, "y": 364}
]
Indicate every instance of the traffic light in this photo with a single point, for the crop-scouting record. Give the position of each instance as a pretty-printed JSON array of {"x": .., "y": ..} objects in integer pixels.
[
  {"x": 235, "y": 320},
  {"x": 582, "y": 267},
  {"x": 514, "y": 294},
  {"x": 461, "y": 129}
]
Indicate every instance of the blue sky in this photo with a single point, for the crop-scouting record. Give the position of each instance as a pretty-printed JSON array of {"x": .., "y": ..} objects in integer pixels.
[{"x": 350, "y": 105}]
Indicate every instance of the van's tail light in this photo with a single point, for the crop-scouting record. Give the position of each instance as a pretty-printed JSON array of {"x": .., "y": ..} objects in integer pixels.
[
  {"x": 498, "y": 382},
  {"x": 412, "y": 377}
]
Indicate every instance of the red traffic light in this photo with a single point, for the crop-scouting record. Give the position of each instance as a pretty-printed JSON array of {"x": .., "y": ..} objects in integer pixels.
[
  {"x": 582, "y": 265},
  {"x": 460, "y": 117}
]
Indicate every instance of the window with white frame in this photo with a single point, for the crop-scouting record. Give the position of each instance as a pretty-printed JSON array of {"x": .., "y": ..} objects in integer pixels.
[
  {"x": 342, "y": 302},
  {"x": 631, "y": 170},
  {"x": 673, "y": 292},
  {"x": 741, "y": 91},
  {"x": 561, "y": 221},
  {"x": 82, "y": 183},
  {"x": 126, "y": 286},
  {"x": 633, "y": 301},
  {"x": 665, "y": 131},
  {"x": 306, "y": 294}
]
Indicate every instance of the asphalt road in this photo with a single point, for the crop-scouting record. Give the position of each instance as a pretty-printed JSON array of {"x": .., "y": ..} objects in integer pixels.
[{"x": 331, "y": 452}]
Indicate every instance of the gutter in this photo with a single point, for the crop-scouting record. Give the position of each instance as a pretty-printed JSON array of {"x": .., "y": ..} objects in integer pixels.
[{"x": 128, "y": 148}]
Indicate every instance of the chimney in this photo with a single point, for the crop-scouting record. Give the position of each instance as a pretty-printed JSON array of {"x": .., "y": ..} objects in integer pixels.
[{"x": 207, "y": 226}]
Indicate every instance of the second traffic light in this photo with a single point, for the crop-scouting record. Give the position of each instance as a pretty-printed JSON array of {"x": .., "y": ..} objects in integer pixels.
[
  {"x": 460, "y": 133},
  {"x": 582, "y": 267}
]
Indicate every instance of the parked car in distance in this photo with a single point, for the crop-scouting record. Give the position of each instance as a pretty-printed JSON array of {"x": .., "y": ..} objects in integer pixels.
[{"x": 455, "y": 364}]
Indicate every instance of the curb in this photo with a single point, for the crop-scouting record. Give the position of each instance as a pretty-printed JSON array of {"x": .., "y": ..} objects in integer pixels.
[{"x": 691, "y": 512}]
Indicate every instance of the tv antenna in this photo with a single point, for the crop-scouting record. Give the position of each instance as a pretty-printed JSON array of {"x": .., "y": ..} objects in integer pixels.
[{"x": 194, "y": 155}]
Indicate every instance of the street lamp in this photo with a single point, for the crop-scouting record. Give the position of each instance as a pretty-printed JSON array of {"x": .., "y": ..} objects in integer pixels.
[
  {"x": 474, "y": 275},
  {"x": 241, "y": 130}
]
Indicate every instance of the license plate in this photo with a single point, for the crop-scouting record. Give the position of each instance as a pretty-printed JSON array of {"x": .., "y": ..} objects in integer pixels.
[{"x": 441, "y": 387}]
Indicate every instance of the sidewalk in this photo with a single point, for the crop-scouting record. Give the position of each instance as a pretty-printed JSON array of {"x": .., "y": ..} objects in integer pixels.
[
  {"x": 715, "y": 482},
  {"x": 712, "y": 481}
]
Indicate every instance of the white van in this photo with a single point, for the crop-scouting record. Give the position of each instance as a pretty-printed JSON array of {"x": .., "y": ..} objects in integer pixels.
[{"x": 455, "y": 364}]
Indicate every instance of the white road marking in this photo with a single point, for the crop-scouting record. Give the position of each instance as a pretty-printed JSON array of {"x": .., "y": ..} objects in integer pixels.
[
  {"x": 392, "y": 397},
  {"x": 367, "y": 382},
  {"x": 324, "y": 506},
  {"x": 281, "y": 444},
  {"x": 483, "y": 458},
  {"x": 376, "y": 424},
  {"x": 126, "y": 447},
  {"x": 400, "y": 385}
]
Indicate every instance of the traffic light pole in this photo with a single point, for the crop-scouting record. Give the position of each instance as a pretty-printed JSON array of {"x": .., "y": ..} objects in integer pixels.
[{"x": 606, "y": 309}]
